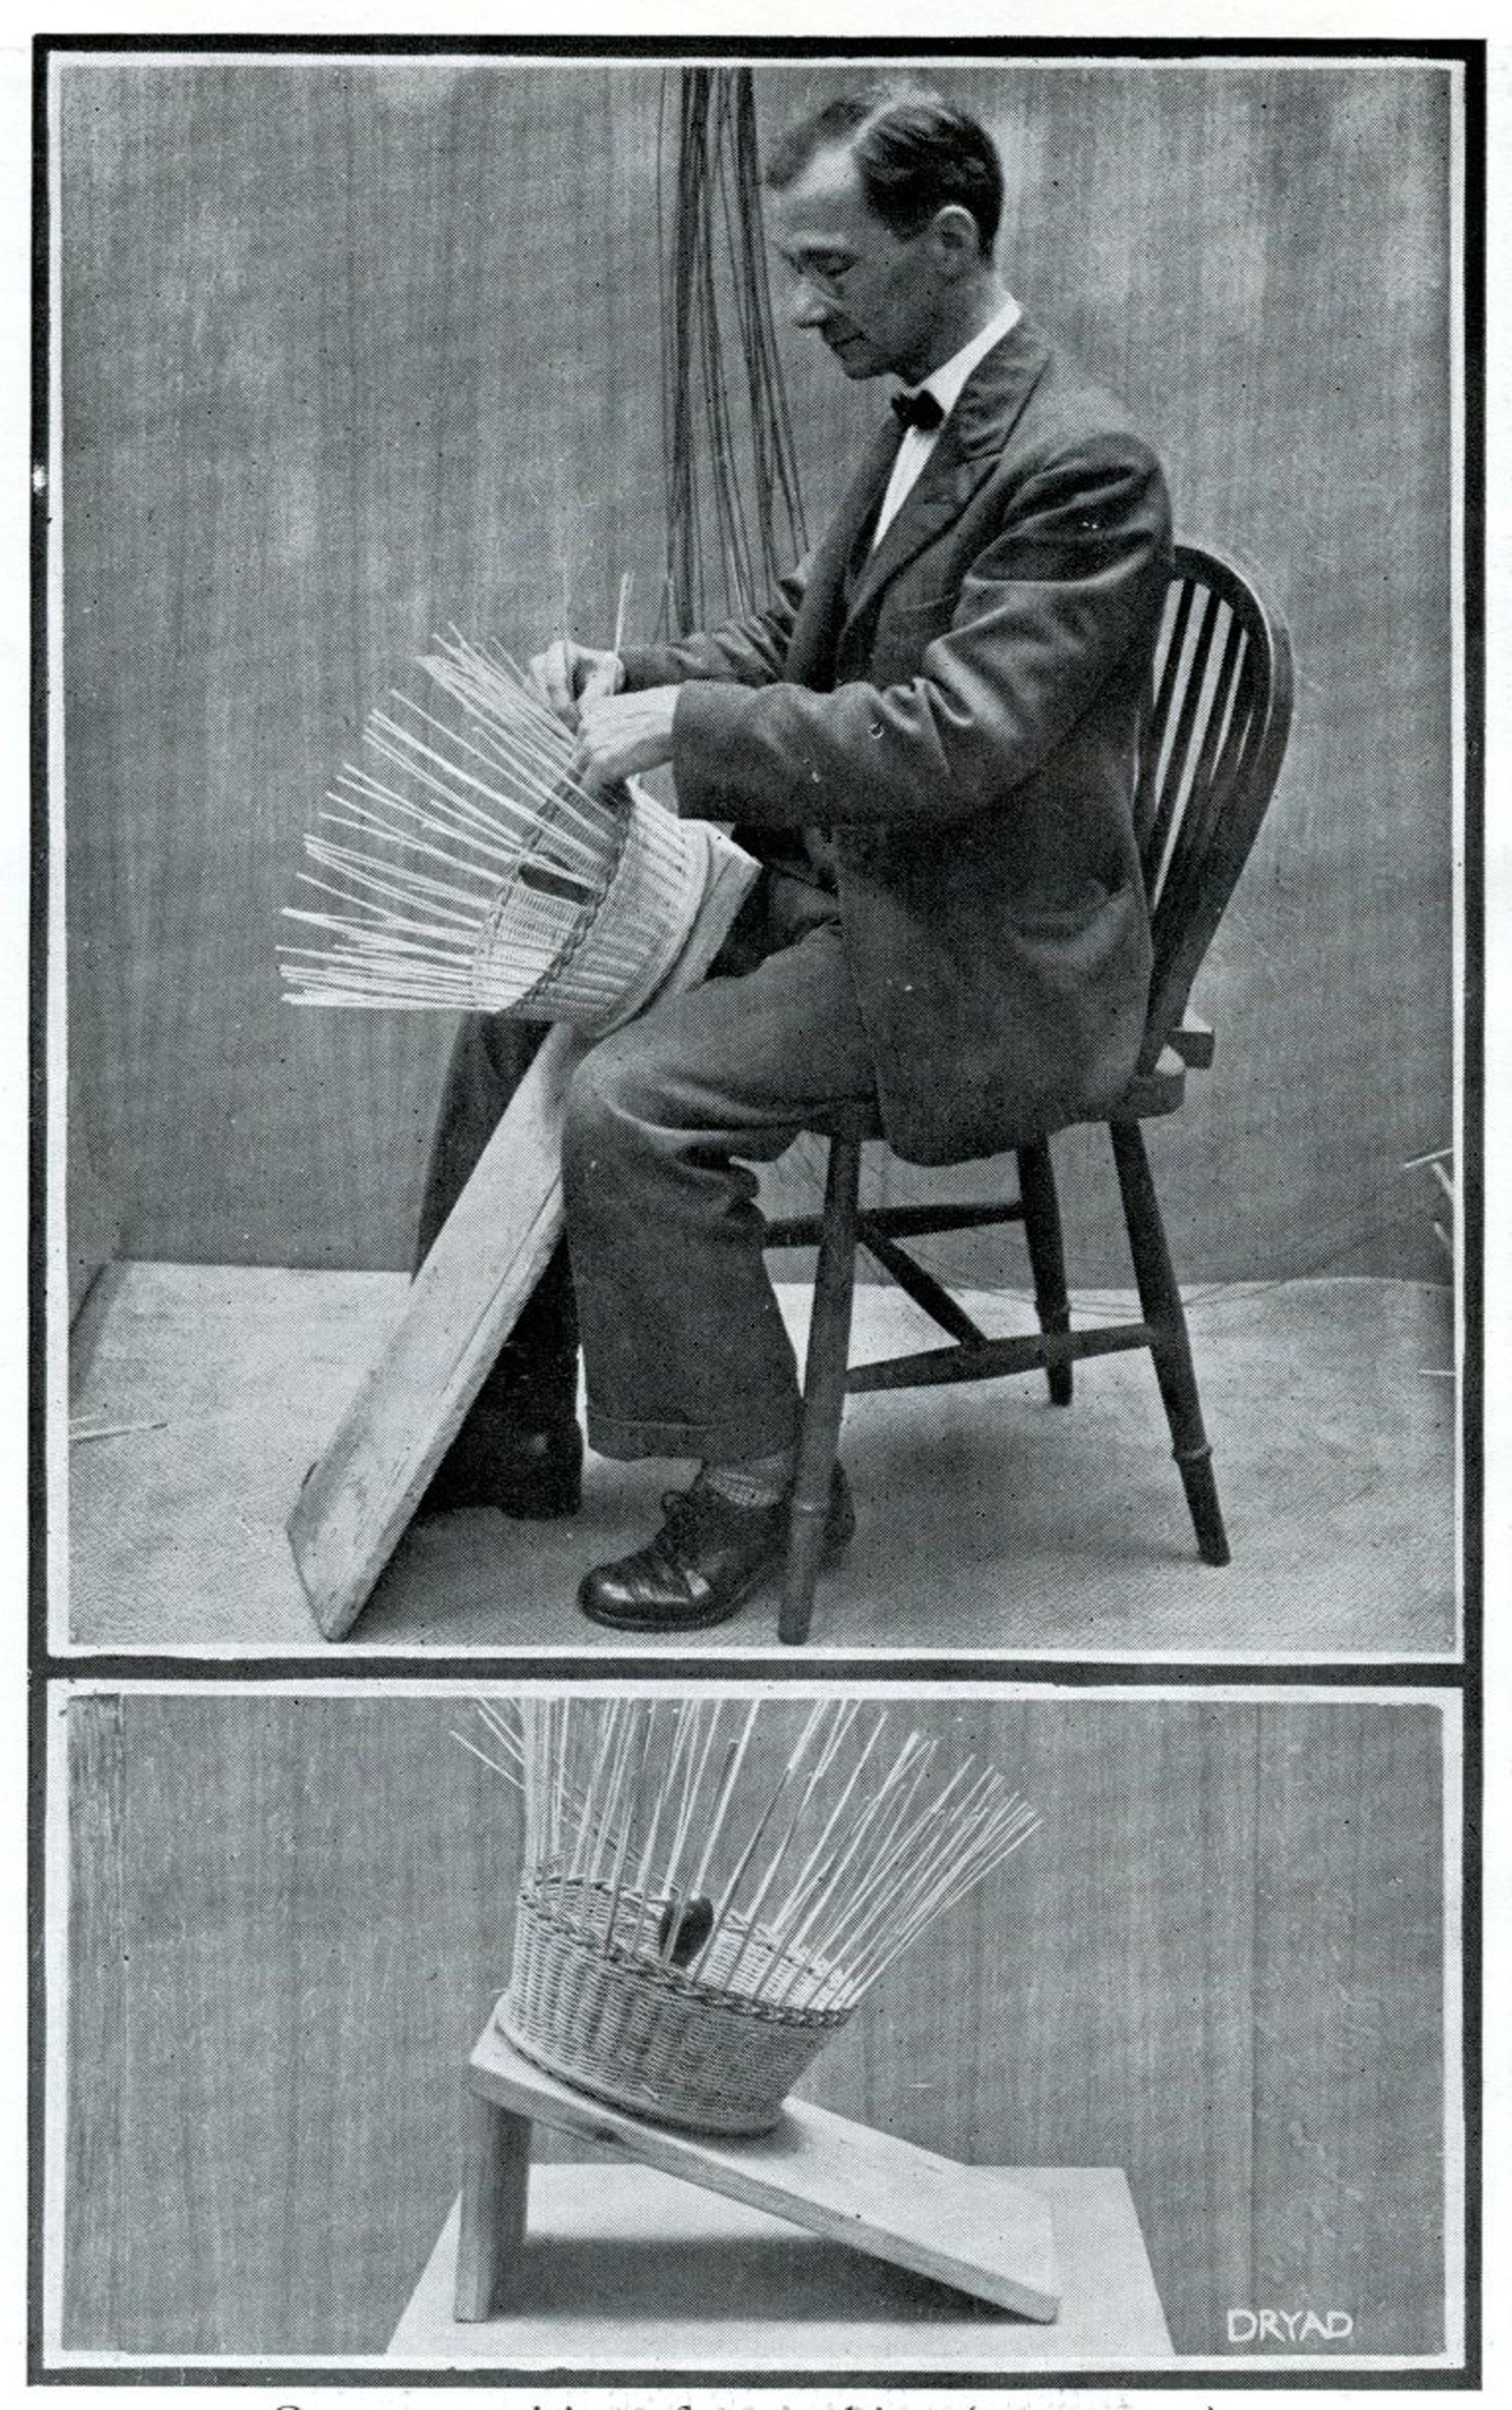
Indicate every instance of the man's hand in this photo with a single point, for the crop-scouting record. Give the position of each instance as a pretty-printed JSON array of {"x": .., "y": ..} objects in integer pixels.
[
  {"x": 618, "y": 734},
  {"x": 567, "y": 675}
]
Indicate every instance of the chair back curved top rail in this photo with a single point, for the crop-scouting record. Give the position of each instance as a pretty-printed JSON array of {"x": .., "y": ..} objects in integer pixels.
[{"x": 1210, "y": 752}]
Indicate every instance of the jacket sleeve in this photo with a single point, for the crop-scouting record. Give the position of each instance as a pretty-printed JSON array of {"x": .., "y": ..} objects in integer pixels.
[
  {"x": 745, "y": 652},
  {"x": 1068, "y": 578}
]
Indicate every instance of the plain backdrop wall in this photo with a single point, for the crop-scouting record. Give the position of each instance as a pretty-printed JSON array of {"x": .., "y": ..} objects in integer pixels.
[
  {"x": 1218, "y": 1964},
  {"x": 354, "y": 348}
]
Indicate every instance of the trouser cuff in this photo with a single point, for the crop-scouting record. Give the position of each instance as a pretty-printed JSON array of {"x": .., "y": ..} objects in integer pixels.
[{"x": 757, "y": 1433}]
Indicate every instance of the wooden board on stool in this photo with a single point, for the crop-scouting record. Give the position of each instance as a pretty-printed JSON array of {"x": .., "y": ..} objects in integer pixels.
[
  {"x": 976, "y": 2229},
  {"x": 625, "y": 2268},
  {"x": 467, "y": 1297}
]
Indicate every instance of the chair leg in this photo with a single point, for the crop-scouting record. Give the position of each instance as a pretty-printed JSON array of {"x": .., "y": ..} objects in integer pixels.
[
  {"x": 829, "y": 1340},
  {"x": 1161, "y": 1306},
  {"x": 1047, "y": 1256}
]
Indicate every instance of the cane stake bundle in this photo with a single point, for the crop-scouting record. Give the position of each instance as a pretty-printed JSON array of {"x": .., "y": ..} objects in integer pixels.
[
  {"x": 690, "y": 1930},
  {"x": 472, "y": 869}
]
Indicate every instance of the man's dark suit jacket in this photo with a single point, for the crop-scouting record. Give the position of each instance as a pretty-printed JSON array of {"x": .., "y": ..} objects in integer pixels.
[{"x": 964, "y": 721}]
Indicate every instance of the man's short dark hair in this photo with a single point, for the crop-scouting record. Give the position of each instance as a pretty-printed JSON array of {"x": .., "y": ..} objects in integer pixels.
[{"x": 914, "y": 152}]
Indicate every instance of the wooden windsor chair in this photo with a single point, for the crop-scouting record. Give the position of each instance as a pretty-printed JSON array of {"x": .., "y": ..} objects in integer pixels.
[{"x": 1215, "y": 729}]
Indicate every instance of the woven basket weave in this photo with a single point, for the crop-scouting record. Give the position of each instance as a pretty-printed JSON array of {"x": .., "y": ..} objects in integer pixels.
[
  {"x": 646, "y": 911},
  {"x": 621, "y": 2023}
]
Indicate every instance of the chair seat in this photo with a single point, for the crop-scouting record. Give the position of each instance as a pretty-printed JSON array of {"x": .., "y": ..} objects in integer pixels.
[
  {"x": 1151, "y": 1092},
  {"x": 1162, "y": 1089},
  {"x": 1148, "y": 1095}
]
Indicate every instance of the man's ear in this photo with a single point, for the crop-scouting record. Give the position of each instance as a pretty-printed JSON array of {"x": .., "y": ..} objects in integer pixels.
[{"x": 955, "y": 239}]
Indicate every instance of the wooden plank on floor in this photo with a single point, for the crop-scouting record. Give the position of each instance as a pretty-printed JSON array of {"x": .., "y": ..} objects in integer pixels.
[{"x": 466, "y": 1299}]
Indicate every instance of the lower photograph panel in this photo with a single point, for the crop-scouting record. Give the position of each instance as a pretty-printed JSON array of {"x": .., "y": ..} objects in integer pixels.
[{"x": 791, "y": 2031}]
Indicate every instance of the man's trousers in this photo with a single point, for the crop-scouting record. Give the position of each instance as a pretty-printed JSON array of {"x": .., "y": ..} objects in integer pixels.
[{"x": 683, "y": 1343}]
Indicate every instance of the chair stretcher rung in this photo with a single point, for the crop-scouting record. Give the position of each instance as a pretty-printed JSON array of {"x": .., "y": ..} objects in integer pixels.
[
  {"x": 925, "y": 1291},
  {"x": 1029, "y": 1351},
  {"x": 895, "y": 1222}
]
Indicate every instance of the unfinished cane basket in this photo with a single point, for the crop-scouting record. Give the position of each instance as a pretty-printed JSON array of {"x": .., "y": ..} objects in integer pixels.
[
  {"x": 691, "y": 1927},
  {"x": 481, "y": 874}
]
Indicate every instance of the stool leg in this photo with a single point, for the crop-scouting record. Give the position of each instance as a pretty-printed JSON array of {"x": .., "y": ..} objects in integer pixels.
[
  {"x": 829, "y": 1339},
  {"x": 496, "y": 2173},
  {"x": 1047, "y": 1256},
  {"x": 1161, "y": 1306}
]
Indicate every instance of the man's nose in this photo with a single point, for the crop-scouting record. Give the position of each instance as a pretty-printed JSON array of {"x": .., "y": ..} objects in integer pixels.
[{"x": 807, "y": 306}]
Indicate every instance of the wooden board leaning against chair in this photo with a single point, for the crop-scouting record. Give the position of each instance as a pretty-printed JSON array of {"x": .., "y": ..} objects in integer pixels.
[{"x": 481, "y": 874}]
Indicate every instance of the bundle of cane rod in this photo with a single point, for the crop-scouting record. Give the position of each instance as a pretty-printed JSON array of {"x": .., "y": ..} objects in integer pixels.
[
  {"x": 706, "y": 1894},
  {"x": 472, "y": 868}
]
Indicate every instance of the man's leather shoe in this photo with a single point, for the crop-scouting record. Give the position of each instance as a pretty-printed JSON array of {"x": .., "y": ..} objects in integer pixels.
[
  {"x": 495, "y": 1461},
  {"x": 706, "y": 1561}
]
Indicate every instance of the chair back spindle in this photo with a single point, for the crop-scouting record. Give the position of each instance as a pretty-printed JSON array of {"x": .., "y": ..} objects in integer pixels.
[{"x": 1210, "y": 752}]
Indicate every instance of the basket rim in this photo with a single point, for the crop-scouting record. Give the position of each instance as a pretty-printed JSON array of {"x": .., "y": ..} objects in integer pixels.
[{"x": 659, "y": 1975}]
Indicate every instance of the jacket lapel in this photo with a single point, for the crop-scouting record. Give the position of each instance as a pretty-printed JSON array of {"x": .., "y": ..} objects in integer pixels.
[
  {"x": 812, "y": 655},
  {"x": 969, "y": 445}
]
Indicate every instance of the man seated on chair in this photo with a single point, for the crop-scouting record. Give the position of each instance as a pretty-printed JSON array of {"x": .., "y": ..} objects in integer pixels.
[{"x": 928, "y": 741}]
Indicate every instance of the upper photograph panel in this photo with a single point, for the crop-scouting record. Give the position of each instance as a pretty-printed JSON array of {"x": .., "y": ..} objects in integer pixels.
[{"x": 758, "y": 776}]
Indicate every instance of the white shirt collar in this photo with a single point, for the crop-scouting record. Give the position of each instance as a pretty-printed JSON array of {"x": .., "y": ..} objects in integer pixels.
[{"x": 946, "y": 383}]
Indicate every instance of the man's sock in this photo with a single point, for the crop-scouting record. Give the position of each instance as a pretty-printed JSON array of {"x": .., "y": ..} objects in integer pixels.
[{"x": 752, "y": 1480}]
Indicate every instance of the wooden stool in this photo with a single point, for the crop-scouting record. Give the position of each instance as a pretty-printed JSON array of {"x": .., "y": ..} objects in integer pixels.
[
  {"x": 973, "y": 2228},
  {"x": 1061, "y": 2251}
]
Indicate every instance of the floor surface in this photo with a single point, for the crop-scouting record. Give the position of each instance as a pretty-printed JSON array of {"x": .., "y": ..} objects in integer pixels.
[{"x": 989, "y": 1520}]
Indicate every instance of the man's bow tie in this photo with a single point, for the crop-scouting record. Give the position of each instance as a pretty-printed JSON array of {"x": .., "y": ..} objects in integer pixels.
[{"x": 918, "y": 410}]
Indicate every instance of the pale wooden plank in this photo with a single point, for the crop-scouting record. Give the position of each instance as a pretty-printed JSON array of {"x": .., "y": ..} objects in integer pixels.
[
  {"x": 974, "y": 2227},
  {"x": 466, "y": 1298},
  {"x": 626, "y": 2267}
]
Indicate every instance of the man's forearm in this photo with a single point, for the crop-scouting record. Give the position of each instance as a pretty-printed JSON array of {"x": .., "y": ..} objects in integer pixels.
[{"x": 745, "y": 652}]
